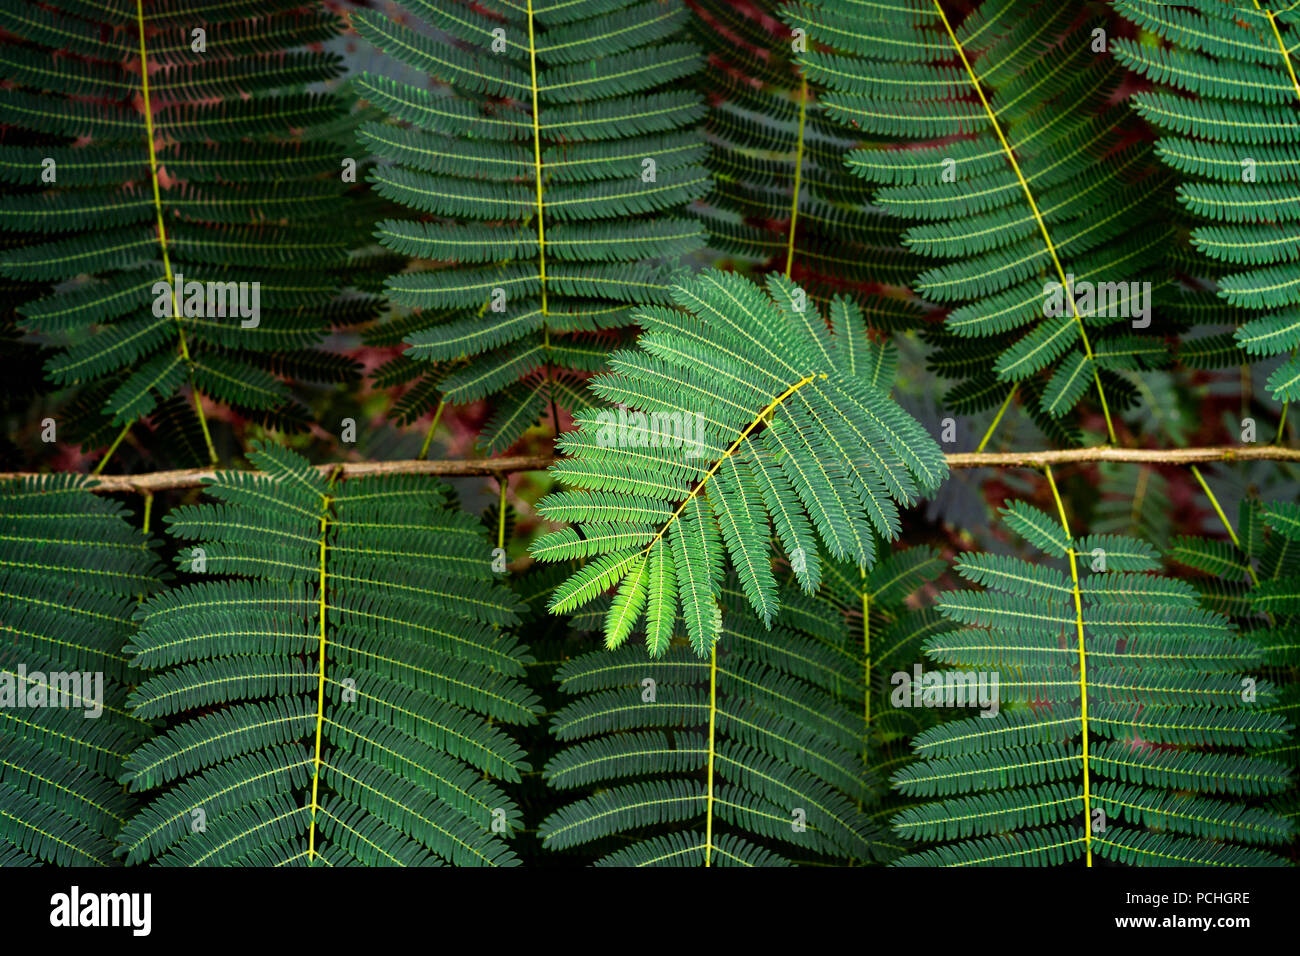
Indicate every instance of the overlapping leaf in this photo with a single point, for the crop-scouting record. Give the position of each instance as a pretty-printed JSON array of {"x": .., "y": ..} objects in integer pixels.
[{"x": 749, "y": 414}]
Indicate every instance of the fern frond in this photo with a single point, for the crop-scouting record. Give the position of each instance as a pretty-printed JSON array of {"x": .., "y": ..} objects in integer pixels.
[
  {"x": 747, "y": 413},
  {"x": 1254, "y": 579},
  {"x": 1225, "y": 103},
  {"x": 71, "y": 570},
  {"x": 556, "y": 159},
  {"x": 335, "y": 688},
  {"x": 1015, "y": 178},
  {"x": 219, "y": 169},
  {"x": 1117, "y": 724},
  {"x": 782, "y": 199},
  {"x": 750, "y": 758}
]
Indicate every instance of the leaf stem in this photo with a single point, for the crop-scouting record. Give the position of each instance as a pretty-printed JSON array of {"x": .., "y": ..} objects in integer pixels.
[
  {"x": 504, "y": 482},
  {"x": 112, "y": 448},
  {"x": 203, "y": 424},
  {"x": 320, "y": 688},
  {"x": 798, "y": 176},
  {"x": 1083, "y": 666},
  {"x": 998, "y": 417},
  {"x": 866, "y": 664},
  {"x": 713, "y": 713},
  {"x": 1295, "y": 84},
  {"x": 1218, "y": 509},
  {"x": 428, "y": 435},
  {"x": 162, "y": 232},
  {"x": 537, "y": 158}
]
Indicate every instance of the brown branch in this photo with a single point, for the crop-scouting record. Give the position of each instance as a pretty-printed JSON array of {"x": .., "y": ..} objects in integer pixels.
[
  {"x": 150, "y": 482},
  {"x": 1136, "y": 456},
  {"x": 193, "y": 477}
]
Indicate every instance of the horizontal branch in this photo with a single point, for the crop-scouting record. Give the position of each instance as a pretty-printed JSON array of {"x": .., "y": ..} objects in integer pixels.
[
  {"x": 1134, "y": 456},
  {"x": 150, "y": 482}
]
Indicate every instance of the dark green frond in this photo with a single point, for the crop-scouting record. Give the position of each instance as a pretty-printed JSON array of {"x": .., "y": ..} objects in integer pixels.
[
  {"x": 335, "y": 682},
  {"x": 71, "y": 571},
  {"x": 552, "y": 167},
  {"x": 782, "y": 198},
  {"x": 753, "y": 757},
  {"x": 1115, "y": 720},
  {"x": 1225, "y": 104},
  {"x": 1254, "y": 578},
  {"x": 993, "y": 136},
  {"x": 218, "y": 173}
]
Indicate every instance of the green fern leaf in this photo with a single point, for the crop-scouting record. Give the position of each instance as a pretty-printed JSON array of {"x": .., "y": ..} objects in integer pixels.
[
  {"x": 219, "y": 169},
  {"x": 1119, "y": 722},
  {"x": 1014, "y": 177},
  {"x": 782, "y": 199},
  {"x": 1226, "y": 106},
  {"x": 556, "y": 164},
  {"x": 1254, "y": 579},
  {"x": 750, "y": 758},
  {"x": 336, "y": 693},
  {"x": 744, "y": 418},
  {"x": 71, "y": 570}
]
